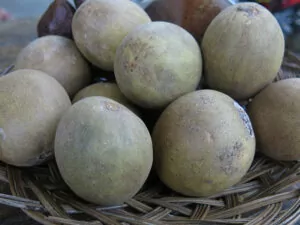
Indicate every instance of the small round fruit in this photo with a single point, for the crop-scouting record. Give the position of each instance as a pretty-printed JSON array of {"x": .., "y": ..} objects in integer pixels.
[
  {"x": 100, "y": 25},
  {"x": 275, "y": 115},
  {"x": 203, "y": 143},
  {"x": 59, "y": 57},
  {"x": 109, "y": 90},
  {"x": 239, "y": 60},
  {"x": 157, "y": 63},
  {"x": 31, "y": 104},
  {"x": 103, "y": 151}
]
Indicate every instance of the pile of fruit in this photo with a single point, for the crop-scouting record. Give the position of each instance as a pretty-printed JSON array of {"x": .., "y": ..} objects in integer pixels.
[{"x": 171, "y": 103}]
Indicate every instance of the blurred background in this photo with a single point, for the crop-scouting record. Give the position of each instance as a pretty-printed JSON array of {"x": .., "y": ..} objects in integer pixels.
[
  {"x": 34, "y": 8},
  {"x": 26, "y": 8},
  {"x": 287, "y": 13}
]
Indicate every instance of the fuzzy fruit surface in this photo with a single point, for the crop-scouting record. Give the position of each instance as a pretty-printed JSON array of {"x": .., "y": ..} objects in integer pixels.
[
  {"x": 274, "y": 113},
  {"x": 58, "y": 57},
  {"x": 31, "y": 105},
  {"x": 203, "y": 143},
  {"x": 157, "y": 63},
  {"x": 103, "y": 151},
  {"x": 240, "y": 60}
]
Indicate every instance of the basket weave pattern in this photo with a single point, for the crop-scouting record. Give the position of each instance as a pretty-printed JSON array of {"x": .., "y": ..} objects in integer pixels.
[{"x": 268, "y": 194}]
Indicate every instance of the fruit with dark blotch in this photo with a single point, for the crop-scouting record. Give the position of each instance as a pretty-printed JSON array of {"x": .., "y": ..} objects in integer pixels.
[
  {"x": 274, "y": 113},
  {"x": 57, "y": 20},
  {"x": 101, "y": 145},
  {"x": 203, "y": 143},
  {"x": 59, "y": 57},
  {"x": 157, "y": 63},
  {"x": 239, "y": 60},
  {"x": 31, "y": 105},
  {"x": 192, "y": 15},
  {"x": 100, "y": 25}
]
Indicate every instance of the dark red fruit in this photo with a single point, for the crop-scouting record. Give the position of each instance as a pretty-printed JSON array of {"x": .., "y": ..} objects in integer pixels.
[{"x": 57, "y": 20}]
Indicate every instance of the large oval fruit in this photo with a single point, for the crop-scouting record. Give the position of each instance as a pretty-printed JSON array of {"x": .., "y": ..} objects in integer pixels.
[
  {"x": 275, "y": 114},
  {"x": 59, "y": 57},
  {"x": 239, "y": 60},
  {"x": 100, "y": 25},
  {"x": 156, "y": 63},
  {"x": 103, "y": 151},
  {"x": 31, "y": 104},
  {"x": 203, "y": 143}
]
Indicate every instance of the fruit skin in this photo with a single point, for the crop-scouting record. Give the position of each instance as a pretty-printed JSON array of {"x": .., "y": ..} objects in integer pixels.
[
  {"x": 192, "y": 15},
  {"x": 274, "y": 113},
  {"x": 239, "y": 60},
  {"x": 101, "y": 145},
  {"x": 157, "y": 63},
  {"x": 59, "y": 57},
  {"x": 203, "y": 143},
  {"x": 109, "y": 90},
  {"x": 31, "y": 104},
  {"x": 57, "y": 20},
  {"x": 100, "y": 25}
]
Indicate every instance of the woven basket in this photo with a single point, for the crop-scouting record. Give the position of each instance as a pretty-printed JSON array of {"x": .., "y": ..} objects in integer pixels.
[{"x": 268, "y": 194}]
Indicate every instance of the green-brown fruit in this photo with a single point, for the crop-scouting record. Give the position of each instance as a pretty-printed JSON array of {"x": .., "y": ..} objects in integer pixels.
[
  {"x": 203, "y": 143},
  {"x": 239, "y": 59},
  {"x": 275, "y": 115},
  {"x": 109, "y": 90},
  {"x": 156, "y": 63},
  {"x": 100, "y": 25},
  {"x": 59, "y": 57},
  {"x": 103, "y": 151},
  {"x": 31, "y": 104}
]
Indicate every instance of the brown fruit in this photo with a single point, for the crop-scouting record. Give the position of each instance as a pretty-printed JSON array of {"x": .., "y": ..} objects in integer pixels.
[
  {"x": 192, "y": 15},
  {"x": 57, "y": 20},
  {"x": 274, "y": 113}
]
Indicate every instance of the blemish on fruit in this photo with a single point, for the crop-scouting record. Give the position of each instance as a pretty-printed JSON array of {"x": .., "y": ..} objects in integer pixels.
[{"x": 245, "y": 118}]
